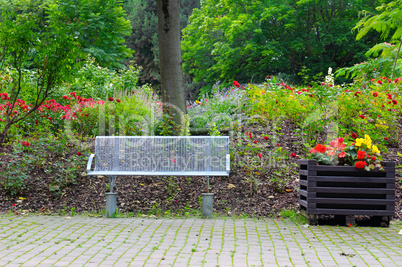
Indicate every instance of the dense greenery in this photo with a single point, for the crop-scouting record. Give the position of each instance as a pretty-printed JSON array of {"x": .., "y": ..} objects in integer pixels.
[{"x": 248, "y": 40}]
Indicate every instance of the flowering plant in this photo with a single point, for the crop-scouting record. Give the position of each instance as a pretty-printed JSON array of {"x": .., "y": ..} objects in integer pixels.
[{"x": 361, "y": 153}]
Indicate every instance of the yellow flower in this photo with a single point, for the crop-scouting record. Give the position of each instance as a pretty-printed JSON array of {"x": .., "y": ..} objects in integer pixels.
[
  {"x": 375, "y": 150},
  {"x": 359, "y": 141},
  {"x": 367, "y": 141}
]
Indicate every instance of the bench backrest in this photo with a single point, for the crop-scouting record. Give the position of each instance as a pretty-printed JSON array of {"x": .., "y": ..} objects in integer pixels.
[{"x": 163, "y": 155}]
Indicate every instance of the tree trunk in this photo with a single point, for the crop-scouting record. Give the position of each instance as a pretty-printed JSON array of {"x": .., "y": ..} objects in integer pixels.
[{"x": 172, "y": 85}]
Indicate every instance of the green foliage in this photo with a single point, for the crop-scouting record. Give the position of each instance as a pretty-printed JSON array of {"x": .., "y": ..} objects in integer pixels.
[
  {"x": 94, "y": 81},
  {"x": 383, "y": 57},
  {"x": 51, "y": 156},
  {"x": 99, "y": 27},
  {"x": 32, "y": 38},
  {"x": 250, "y": 39},
  {"x": 223, "y": 110}
]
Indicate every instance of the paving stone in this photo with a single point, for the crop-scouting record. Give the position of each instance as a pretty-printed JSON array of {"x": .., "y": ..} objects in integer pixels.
[{"x": 55, "y": 241}]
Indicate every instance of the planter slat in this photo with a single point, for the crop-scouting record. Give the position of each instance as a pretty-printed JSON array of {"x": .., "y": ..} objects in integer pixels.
[
  {"x": 350, "y": 179},
  {"x": 347, "y": 169},
  {"x": 352, "y": 201},
  {"x": 346, "y": 191},
  {"x": 340, "y": 190}
]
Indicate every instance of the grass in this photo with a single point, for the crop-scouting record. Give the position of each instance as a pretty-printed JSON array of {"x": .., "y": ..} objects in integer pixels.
[{"x": 293, "y": 216}]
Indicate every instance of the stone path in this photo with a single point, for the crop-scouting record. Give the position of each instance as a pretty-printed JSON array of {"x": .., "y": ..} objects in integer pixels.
[{"x": 87, "y": 241}]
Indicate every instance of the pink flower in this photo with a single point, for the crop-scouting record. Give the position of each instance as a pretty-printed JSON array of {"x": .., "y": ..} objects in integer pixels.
[{"x": 342, "y": 154}]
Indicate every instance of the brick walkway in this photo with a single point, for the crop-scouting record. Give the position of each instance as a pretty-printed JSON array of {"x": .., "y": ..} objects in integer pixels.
[{"x": 86, "y": 241}]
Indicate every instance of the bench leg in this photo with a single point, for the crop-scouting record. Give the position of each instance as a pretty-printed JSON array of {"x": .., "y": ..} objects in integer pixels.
[
  {"x": 111, "y": 199},
  {"x": 111, "y": 181},
  {"x": 110, "y": 204}
]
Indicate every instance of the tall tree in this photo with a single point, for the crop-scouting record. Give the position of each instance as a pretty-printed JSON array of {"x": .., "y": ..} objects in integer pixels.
[
  {"x": 172, "y": 85},
  {"x": 144, "y": 36}
]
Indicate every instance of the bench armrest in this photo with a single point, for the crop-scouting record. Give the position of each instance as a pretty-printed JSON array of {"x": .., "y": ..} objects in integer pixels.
[
  {"x": 228, "y": 163},
  {"x": 90, "y": 162}
]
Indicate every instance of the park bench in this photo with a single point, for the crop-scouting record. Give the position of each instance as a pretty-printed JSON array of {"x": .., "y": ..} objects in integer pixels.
[{"x": 158, "y": 156}]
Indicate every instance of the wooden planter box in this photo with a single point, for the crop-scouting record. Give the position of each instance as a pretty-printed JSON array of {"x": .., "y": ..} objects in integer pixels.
[{"x": 345, "y": 191}]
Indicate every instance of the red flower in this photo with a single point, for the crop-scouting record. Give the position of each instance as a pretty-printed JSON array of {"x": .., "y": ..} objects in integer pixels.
[
  {"x": 373, "y": 158},
  {"x": 266, "y": 138},
  {"x": 111, "y": 98},
  {"x": 14, "y": 204},
  {"x": 360, "y": 164},
  {"x": 251, "y": 135},
  {"x": 50, "y": 119},
  {"x": 318, "y": 148},
  {"x": 37, "y": 123},
  {"x": 375, "y": 94},
  {"x": 79, "y": 154},
  {"x": 310, "y": 95},
  {"x": 357, "y": 93},
  {"x": 394, "y": 102},
  {"x": 354, "y": 135},
  {"x": 293, "y": 155},
  {"x": 25, "y": 143},
  {"x": 379, "y": 82},
  {"x": 255, "y": 141},
  {"x": 259, "y": 155},
  {"x": 385, "y": 138},
  {"x": 362, "y": 116},
  {"x": 118, "y": 100},
  {"x": 361, "y": 154},
  {"x": 342, "y": 154},
  {"x": 235, "y": 83},
  {"x": 268, "y": 77}
]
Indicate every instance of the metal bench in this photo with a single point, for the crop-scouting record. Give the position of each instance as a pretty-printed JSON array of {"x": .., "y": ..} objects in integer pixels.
[{"x": 158, "y": 155}]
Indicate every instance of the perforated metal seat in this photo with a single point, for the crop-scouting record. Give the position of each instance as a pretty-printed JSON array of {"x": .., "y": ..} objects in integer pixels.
[{"x": 161, "y": 155}]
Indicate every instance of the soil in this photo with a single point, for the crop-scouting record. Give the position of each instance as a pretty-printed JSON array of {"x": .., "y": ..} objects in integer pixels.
[{"x": 233, "y": 195}]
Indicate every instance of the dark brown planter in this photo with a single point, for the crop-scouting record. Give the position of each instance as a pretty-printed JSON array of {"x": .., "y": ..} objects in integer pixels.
[{"x": 345, "y": 191}]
